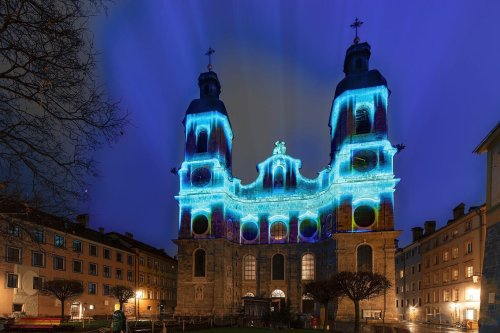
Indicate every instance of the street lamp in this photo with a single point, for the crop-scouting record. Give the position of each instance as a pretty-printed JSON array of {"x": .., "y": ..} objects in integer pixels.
[{"x": 138, "y": 296}]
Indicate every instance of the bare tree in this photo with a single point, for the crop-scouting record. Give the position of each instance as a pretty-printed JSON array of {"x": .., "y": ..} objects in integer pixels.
[
  {"x": 53, "y": 112},
  {"x": 359, "y": 286},
  {"x": 62, "y": 290},
  {"x": 122, "y": 294},
  {"x": 323, "y": 292}
]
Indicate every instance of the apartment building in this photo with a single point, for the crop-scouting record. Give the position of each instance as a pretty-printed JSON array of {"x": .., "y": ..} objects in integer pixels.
[
  {"x": 36, "y": 247},
  {"x": 452, "y": 258},
  {"x": 408, "y": 281},
  {"x": 156, "y": 283}
]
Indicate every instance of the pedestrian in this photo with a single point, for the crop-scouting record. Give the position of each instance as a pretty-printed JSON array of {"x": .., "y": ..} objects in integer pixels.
[{"x": 119, "y": 321}]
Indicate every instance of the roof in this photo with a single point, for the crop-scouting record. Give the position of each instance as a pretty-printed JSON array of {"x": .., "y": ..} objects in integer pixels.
[
  {"x": 22, "y": 212},
  {"x": 493, "y": 135},
  {"x": 353, "y": 81},
  {"x": 133, "y": 243}
]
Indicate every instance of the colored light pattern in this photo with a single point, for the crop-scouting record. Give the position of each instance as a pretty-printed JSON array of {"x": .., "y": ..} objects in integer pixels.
[{"x": 280, "y": 193}]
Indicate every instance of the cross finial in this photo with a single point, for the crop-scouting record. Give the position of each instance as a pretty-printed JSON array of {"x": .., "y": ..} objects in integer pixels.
[
  {"x": 355, "y": 25},
  {"x": 209, "y": 54}
]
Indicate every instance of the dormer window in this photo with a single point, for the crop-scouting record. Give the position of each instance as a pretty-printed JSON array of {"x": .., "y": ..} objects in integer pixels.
[
  {"x": 363, "y": 125},
  {"x": 202, "y": 142}
]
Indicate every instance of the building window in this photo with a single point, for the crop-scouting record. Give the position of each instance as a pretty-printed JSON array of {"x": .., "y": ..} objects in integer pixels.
[
  {"x": 401, "y": 273},
  {"x": 413, "y": 270},
  {"x": 77, "y": 266},
  {"x": 397, "y": 303},
  {"x": 141, "y": 278},
  {"x": 37, "y": 282},
  {"x": 446, "y": 255},
  {"x": 436, "y": 259},
  {"x": 278, "y": 267},
  {"x": 454, "y": 274},
  {"x": 12, "y": 280},
  {"x": 469, "y": 271},
  {"x": 106, "y": 289},
  {"x": 59, "y": 263},
  {"x": 279, "y": 177},
  {"x": 93, "y": 250},
  {"x": 38, "y": 236},
  {"x": 446, "y": 296},
  {"x": 77, "y": 246},
  {"x": 468, "y": 225},
  {"x": 107, "y": 271},
  {"x": 202, "y": 142},
  {"x": 119, "y": 256},
  {"x": 446, "y": 274},
  {"x": 364, "y": 258},
  {"x": 308, "y": 267},
  {"x": 454, "y": 253},
  {"x": 118, "y": 274},
  {"x": 92, "y": 269},
  {"x": 141, "y": 260},
  {"x": 278, "y": 230},
  {"x": 363, "y": 125},
  {"x": 13, "y": 255},
  {"x": 130, "y": 276},
  {"x": 199, "y": 263},
  {"x": 59, "y": 241},
  {"x": 419, "y": 285},
  {"x": 278, "y": 293},
  {"x": 106, "y": 253},
  {"x": 156, "y": 265},
  {"x": 92, "y": 288},
  {"x": 14, "y": 230},
  {"x": 130, "y": 259},
  {"x": 249, "y": 267},
  {"x": 419, "y": 267},
  {"x": 150, "y": 262},
  {"x": 37, "y": 259},
  {"x": 468, "y": 247}
]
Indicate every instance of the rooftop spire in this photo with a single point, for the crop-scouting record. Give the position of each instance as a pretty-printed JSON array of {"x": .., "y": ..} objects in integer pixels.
[
  {"x": 355, "y": 25},
  {"x": 209, "y": 54}
]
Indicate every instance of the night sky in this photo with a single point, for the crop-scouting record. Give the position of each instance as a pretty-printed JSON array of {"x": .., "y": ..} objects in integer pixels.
[{"x": 279, "y": 63}]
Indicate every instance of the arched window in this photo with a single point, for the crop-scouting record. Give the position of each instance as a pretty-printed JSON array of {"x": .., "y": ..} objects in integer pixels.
[
  {"x": 199, "y": 263},
  {"x": 363, "y": 125},
  {"x": 249, "y": 294},
  {"x": 308, "y": 267},
  {"x": 364, "y": 257},
  {"x": 278, "y": 293},
  {"x": 279, "y": 177},
  {"x": 249, "y": 267},
  {"x": 202, "y": 142},
  {"x": 278, "y": 267}
]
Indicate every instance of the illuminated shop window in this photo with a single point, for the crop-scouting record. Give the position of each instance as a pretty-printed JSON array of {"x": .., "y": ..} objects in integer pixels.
[
  {"x": 278, "y": 230},
  {"x": 364, "y": 258},
  {"x": 249, "y": 267},
  {"x": 200, "y": 224},
  {"x": 308, "y": 267},
  {"x": 278, "y": 267},
  {"x": 199, "y": 263},
  {"x": 202, "y": 142}
]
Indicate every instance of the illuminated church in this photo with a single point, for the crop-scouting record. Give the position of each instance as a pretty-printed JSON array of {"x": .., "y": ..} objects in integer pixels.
[{"x": 269, "y": 238}]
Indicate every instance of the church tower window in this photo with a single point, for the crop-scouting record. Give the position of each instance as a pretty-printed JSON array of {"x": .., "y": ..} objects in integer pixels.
[
  {"x": 249, "y": 268},
  {"x": 364, "y": 256},
  {"x": 278, "y": 267},
  {"x": 199, "y": 263},
  {"x": 363, "y": 125},
  {"x": 308, "y": 267},
  {"x": 200, "y": 224},
  {"x": 202, "y": 142}
]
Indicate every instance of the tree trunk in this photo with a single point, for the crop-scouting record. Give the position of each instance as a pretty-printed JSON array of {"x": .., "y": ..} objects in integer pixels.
[
  {"x": 326, "y": 316},
  {"x": 62, "y": 308},
  {"x": 121, "y": 306},
  {"x": 356, "y": 316}
]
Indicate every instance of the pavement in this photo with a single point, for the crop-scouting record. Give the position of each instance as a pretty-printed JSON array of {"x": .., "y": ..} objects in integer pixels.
[{"x": 433, "y": 328}]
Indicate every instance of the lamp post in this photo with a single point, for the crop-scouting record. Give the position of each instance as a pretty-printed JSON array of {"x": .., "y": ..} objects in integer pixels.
[{"x": 138, "y": 296}]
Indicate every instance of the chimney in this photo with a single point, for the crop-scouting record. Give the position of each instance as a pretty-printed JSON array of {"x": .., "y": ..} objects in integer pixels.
[
  {"x": 417, "y": 233},
  {"x": 430, "y": 227},
  {"x": 83, "y": 220},
  {"x": 458, "y": 211},
  {"x": 128, "y": 234},
  {"x": 101, "y": 230}
]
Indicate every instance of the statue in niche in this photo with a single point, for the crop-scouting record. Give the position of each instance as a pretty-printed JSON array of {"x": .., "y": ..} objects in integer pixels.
[
  {"x": 279, "y": 148},
  {"x": 198, "y": 295}
]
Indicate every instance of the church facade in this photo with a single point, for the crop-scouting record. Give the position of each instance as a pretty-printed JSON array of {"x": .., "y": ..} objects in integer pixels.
[{"x": 271, "y": 237}]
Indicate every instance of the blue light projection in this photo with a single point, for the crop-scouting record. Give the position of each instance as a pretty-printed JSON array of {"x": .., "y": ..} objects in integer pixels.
[{"x": 360, "y": 176}]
